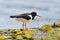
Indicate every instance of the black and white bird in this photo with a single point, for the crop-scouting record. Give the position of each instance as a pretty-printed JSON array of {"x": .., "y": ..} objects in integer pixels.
[{"x": 26, "y": 17}]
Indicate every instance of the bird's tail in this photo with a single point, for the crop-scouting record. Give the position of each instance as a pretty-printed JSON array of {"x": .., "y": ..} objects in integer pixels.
[{"x": 12, "y": 16}]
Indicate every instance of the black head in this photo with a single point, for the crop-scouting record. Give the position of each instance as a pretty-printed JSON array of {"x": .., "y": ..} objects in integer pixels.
[{"x": 33, "y": 13}]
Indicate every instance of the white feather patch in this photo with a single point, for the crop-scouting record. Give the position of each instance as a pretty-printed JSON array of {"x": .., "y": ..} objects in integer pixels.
[{"x": 30, "y": 16}]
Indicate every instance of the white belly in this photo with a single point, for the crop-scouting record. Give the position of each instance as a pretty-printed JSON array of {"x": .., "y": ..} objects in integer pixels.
[{"x": 22, "y": 20}]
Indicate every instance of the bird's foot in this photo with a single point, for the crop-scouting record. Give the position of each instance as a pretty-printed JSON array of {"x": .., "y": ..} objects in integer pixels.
[{"x": 25, "y": 29}]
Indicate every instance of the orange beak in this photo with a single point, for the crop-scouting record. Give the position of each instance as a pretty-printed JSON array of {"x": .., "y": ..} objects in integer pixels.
[{"x": 39, "y": 16}]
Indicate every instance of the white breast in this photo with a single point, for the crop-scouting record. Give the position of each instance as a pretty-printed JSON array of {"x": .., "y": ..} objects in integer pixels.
[{"x": 22, "y": 20}]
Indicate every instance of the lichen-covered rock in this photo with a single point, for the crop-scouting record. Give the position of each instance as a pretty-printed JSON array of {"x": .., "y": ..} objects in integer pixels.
[
  {"x": 2, "y": 37},
  {"x": 46, "y": 27},
  {"x": 57, "y": 23}
]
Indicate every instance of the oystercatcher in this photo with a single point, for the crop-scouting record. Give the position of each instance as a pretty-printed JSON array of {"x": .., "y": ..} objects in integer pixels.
[{"x": 26, "y": 17}]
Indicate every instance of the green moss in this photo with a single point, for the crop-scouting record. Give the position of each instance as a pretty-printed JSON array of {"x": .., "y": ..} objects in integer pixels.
[
  {"x": 13, "y": 35},
  {"x": 30, "y": 38}
]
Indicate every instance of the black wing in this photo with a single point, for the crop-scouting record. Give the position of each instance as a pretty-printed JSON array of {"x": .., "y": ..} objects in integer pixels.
[{"x": 25, "y": 16}]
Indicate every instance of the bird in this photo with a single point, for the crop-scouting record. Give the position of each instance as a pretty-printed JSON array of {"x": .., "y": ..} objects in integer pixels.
[{"x": 25, "y": 18}]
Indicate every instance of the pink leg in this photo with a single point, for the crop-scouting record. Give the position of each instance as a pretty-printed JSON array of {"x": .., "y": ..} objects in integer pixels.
[{"x": 23, "y": 25}]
